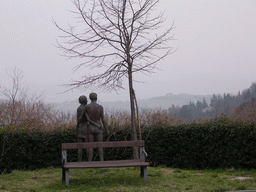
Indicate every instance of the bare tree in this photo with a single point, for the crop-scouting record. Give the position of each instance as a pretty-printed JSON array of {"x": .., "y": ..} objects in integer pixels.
[
  {"x": 114, "y": 39},
  {"x": 19, "y": 107},
  {"x": 12, "y": 94}
]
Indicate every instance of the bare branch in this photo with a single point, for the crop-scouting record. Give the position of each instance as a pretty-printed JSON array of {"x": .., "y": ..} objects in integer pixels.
[{"x": 121, "y": 36}]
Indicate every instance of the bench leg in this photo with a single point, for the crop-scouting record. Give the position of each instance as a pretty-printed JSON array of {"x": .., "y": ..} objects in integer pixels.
[
  {"x": 63, "y": 174},
  {"x": 143, "y": 173},
  {"x": 67, "y": 176}
]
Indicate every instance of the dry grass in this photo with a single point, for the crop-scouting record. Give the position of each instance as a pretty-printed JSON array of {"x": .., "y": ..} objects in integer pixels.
[
  {"x": 147, "y": 117},
  {"x": 35, "y": 114},
  {"x": 248, "y": 113}
]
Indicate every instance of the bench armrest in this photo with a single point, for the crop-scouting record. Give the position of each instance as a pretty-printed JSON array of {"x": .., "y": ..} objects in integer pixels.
[
  {"x": 64, "y": 157},
  {"x": 145, "y": 153}
]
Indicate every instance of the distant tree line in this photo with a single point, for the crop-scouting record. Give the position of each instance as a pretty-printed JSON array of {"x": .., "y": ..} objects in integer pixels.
[{"x": 219, "y": 104}]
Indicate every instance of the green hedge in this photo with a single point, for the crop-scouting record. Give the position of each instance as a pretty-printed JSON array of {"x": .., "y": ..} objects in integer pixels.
[
  {"x": 211, "y": 145},
  {"x": 208, "y": 145},
  {"x": 23, "y": 149}
]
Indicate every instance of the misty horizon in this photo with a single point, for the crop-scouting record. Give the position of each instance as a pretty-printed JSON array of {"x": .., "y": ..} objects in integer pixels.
[{"x": 215, "y": 43}]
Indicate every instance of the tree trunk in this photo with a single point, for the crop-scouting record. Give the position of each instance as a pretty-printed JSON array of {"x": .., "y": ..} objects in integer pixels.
[
  {"x": 137, "y": 113},
  {"x": 133, "y": 128}
]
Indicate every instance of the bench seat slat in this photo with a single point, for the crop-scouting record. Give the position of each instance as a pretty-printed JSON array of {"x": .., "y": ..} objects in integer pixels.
[
  {"x": 106, "y": 164},
  {"x": 103, "y": 144}
]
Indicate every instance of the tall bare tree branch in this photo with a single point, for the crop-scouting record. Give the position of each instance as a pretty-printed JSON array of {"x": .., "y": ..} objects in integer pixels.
[{"x": 121, "y": 36}]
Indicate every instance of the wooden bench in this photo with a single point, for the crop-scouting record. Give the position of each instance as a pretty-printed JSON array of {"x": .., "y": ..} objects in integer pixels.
[{"x": 104, "y": 164}]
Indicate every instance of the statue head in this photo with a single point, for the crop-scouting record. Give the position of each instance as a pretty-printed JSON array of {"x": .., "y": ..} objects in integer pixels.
[
  {"x": 82, "y": 99},
  {"x": 93, "y": 96}
]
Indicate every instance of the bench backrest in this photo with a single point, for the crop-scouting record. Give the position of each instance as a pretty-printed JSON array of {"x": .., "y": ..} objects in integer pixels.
[{"x": 102, "y": 144}]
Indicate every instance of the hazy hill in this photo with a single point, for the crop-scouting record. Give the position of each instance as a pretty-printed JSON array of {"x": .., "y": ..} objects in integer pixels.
[{"x": 162, "y": 102}]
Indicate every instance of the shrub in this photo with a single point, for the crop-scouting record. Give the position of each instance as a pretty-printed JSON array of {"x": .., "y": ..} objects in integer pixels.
[
  {"x": 218, "y": 143},
  {"x": 209, "y": 145}
]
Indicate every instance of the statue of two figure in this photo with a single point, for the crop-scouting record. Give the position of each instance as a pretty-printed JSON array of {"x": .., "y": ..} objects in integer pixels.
[{"x": 90, "y": 119}]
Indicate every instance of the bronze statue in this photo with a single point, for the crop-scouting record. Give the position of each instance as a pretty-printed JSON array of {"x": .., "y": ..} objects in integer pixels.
[
  {"x": 94, "y": 114},
  {"x": 82, "y": 125}
]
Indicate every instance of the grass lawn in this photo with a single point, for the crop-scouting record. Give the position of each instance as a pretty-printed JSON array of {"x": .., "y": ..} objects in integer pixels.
[{"x": 128, "y": 179}]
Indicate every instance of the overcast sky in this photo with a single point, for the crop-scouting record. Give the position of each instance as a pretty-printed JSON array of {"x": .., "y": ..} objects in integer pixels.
[{"x": 215, "y": 42}]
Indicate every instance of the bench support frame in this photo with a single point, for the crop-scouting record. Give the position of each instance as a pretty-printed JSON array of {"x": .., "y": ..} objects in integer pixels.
[{"x": 104, "y": 164}]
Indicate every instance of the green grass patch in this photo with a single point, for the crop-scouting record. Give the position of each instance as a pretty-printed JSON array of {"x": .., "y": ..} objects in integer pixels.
[{"x": 128, "y": 179}]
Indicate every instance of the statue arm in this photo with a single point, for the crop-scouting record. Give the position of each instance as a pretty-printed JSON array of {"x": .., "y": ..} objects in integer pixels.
[
  {"x": 103, "y": 121},
  {"x": 92, "y": 122}
]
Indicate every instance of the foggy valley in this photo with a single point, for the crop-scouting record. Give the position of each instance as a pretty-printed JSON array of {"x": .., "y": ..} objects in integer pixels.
[{"x": 163, "y": 102}]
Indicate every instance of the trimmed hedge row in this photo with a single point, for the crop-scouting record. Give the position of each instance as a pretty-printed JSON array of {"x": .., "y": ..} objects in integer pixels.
[
  {"x": 211, "y": 145},
  {"x": 23, "y": 149},
  {"x": 208, "y": 145}
]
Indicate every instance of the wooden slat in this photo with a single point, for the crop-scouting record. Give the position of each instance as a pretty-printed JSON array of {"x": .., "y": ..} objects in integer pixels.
[
  {"x": 103, "y": 144},
  {"x": 106, "y": 164}
]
